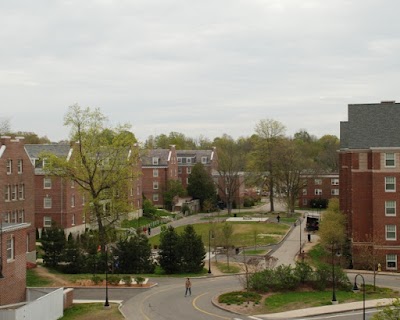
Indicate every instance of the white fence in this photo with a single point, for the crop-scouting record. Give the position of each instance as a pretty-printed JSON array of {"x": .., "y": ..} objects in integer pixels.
[{"x": 49, "y": 306}]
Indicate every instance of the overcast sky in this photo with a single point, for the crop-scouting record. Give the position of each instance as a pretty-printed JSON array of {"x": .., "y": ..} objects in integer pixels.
[{"x": 204, "y": 67}]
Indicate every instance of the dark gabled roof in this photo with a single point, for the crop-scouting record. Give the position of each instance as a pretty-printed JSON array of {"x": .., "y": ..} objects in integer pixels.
[
  {"x": 371, "y": 125},
  {"x": 60, "y": 150},
  {"x": 195, "y": 154},
  {"x": 148, "y": 155}
]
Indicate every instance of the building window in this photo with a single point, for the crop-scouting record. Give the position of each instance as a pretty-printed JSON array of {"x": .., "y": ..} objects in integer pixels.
[
  {"x": 47, "y": 203},
  {"x": 155, "y": 185},
  {"x": 390, "y": 208},
  {"x": 391, "y": 261},
  {"x": 179, "y": 160},
  {"x": 9, "y": 166},
  {"x": 390, "y": 184},
  {"x": 390, "y": 232},
  {"x": 73, "y": 201},
  {"x": 179, "y": 170},
  {"x": 304, "y": 202},
  {"x": 189, "y": 170},
  {"x": 46, "y": 183},
  {"x": 21, "y": 191},
  {"x": 204, "y": 160},
  {"x": 189, "y": 160},
  {"x": 155, "y": 197},
  {"x": 317, "y": 182},
  {"x": 14, "y": 217},
  {"x": 21, "y": 215},
  {"x": 334, "y": 192},
  {"x": 10, "y": 249},
  {"x": 390, "y": 160},
  {"x": 83, "y": 199},
  {"x": 155, "y": 161},
  {"x": 318, "y": 192},
  {"x": 73, "y": 219},
  {"x": 7, "y": 192},
  {"x": 335, "y": 182},
  {"x": 46, "y": 221},
  {"x": 14, "y": 192},
  {"x": 20, "y": 165},
  {"x": 304, "y": 192},
  {"x": 72, "y": 184},
  {"x": 155, "y": 173}
]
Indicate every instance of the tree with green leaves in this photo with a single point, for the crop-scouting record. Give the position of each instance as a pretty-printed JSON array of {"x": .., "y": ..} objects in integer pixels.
[
  {"x": 231, "y": 164},
  {"x": 191, "y": 248},
  {"x": 73, "y": 257},
  {"x": 227, "y": 232},
  {"x": 103, "y": 164},
  {"x": 134, "y": 255},
  {"x": 174, "y": 189},
  {"x": 201, "y": 185},
  {"x": 53, "y": 245},
  {"x": 169, "y": 256},
  {"x": 265, "y": 159}
]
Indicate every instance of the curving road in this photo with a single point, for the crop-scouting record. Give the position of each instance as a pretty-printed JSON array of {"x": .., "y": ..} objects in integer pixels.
[{"x": 167, "y": 301}]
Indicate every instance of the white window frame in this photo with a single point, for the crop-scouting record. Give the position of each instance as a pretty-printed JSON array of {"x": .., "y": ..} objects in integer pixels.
[
  {"x": 179, "y": 160},
  {"x": 21, "y": 216},
  {"x": 390, "y": 184},
  {"x": 304, "y": 192},
  {"x": 47, "y": 183},
  {"x": 73, "y": 219},
  {"x": 14, "y": 217},
  {"x": 335, "y": 181},
  {"x": 9, "y": 166},
  {"x": 204, "y": 160},
  {"x": 155, "y": 197},
  {"x": 47, "y": 221},
  {"x": 155, "y": 185},
  {"x": 318, "y": 192},
  {"x": 7, "y": 193},
  {"x": 155, "y": 161},
  {"x": 334, "y": 192},
  {"x": 20, "y": 166},
  {"x": 155, "y": 173},
  {"x": 391, "y": 229},
  {"x": 305, "y": 201},
  {"x": 188, "y": 160},
  {"x": 10, "y": 249},
  {"x": 390, "y": 208},
  {"x": 21, "y": 191},
  {"x": 390, "y": 160},
  {"x": 14, "y": 192},
  {"x": 47, "y": 203},
  {"x": 73, "y": 201},
  {"x": 391, "y": 261},
  {"x": 318, "y": 182},
  {"x": 189, "y": 170}
]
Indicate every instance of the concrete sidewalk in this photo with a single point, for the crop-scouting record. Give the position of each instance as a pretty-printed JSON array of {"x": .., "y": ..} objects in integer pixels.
[{"x": 334, "y": 308}]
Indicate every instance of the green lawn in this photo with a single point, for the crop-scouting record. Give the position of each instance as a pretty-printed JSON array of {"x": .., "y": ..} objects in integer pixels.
[
  {"x": 34, "y": 280},
  {"x": 244, "y": 233}
]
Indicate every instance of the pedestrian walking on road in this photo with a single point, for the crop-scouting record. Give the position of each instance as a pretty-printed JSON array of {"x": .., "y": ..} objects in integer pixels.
[
  {"x": 188, "y": 286},
  {"x": 278, "y": 218}
]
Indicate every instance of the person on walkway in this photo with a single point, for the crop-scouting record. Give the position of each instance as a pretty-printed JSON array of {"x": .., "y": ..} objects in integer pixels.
[
  {"x": 278, "y": 218},
  {"x": 188, "y": 286}
]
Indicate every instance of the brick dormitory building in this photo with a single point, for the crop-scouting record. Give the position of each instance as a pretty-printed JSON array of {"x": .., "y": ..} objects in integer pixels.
[{"x": 369, "y": 158}]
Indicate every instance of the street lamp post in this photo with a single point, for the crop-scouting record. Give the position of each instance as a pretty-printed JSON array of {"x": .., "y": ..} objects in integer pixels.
[
  {"x": 1, "y": 246},
  {"x": 106, "y": 303},
  {"x": 209, "y": 251},
  {"x": 355, "y": 288},
  {"x": 300, "y": 237}
]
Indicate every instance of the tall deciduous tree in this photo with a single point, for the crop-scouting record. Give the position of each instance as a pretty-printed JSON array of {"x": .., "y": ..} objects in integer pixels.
[
  {"x": 103, "y": 164},
  {"x": 231, "y": 164},
  {"x": 264, "y": 158},
  {"x": 201, "y": 185},
  {"x": 227, "y": 232},
  {"x": 332, "y": 228}
]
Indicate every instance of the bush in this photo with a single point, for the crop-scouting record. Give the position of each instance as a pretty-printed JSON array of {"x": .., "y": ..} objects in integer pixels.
[
  {"x": 322, "y": 276},
  {"x": 238, "y": 297},
  {"x": 96, "y": 279},
  {"x": 303, "y": 272},
  {"x": 127, "y": 280},
  {"x": 114, "y": 279},
  {"x": 139, "y": 280},
  {"x": 260, "y": 281},
  {"x": 285, "y": 278}
]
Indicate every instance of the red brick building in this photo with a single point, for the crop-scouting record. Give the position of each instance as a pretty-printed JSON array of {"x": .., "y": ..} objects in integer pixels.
[
  {"x": 13, "y": 262},
  {"x": 318, "y": 186},
  {"x": 16, "y": 180},
  {"x": 369, "y": 160},
  {"x": 158, "y": 167}
]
